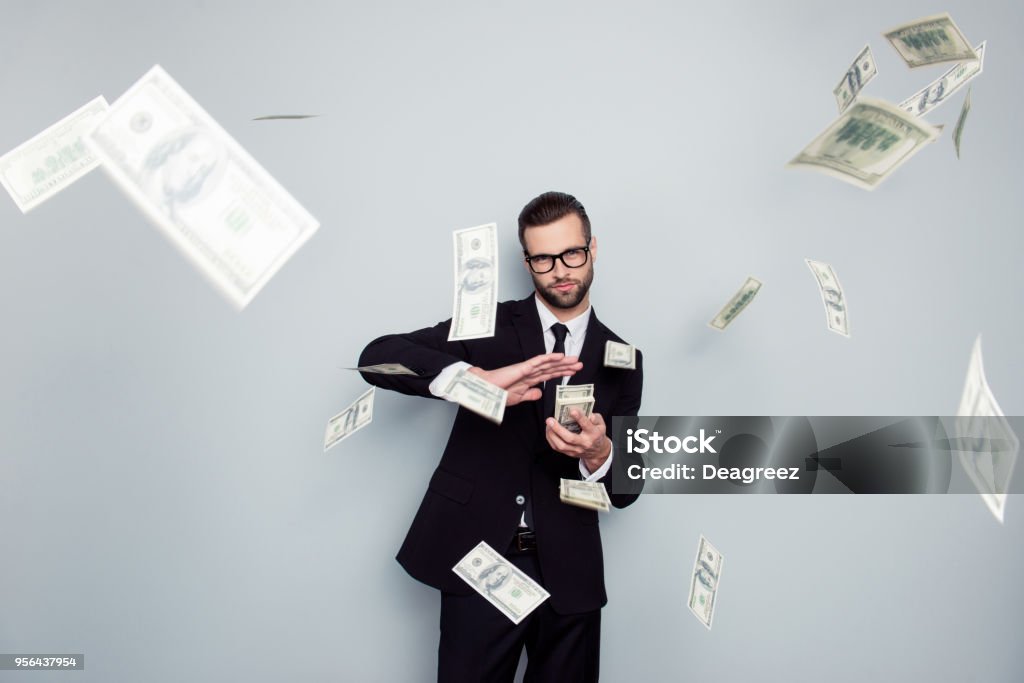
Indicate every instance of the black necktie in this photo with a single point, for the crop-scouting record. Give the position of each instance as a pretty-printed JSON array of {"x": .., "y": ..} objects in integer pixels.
[{"x": 560, "y": 331}]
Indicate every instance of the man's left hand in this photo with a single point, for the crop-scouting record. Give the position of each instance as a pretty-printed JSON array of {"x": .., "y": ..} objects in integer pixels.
[{"x": 590, "y": 445}]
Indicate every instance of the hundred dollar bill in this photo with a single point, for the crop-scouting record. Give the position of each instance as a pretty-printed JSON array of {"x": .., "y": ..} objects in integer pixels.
[
  {"x": 981, "y": 421},
  {"x": 36, "y": 170},
  {"x": 735, "y": 306},
  {"x": 350, "y": 420},
  {"x": 478, "y": 395},
  {"x": 585, "y": 494},
  {"x": 707, "y": 572},
  {"x": 831, "y": 296},
  {"x": 476, "y": 283},
  {"x": 386, "y": 369},
  {"x": 958, "y": 130},
  {"x": 500, "y": 582},
  {"x": 857, "y": 76},
  {"x": 232, "y": 220},
  {"x": 939, "y": 90},
  {"x": 618, "y": 355},
  {"x": 867, "y": 143},
  {"x": 930, "y": 40}
]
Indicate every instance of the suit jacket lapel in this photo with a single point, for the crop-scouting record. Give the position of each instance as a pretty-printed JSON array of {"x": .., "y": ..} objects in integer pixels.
[
  {"x": 592, "y": 355},
  {"x": 531, "y": 337}
]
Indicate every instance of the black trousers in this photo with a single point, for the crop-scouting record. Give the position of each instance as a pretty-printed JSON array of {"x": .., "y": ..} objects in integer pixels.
[{"x": 479, "y": 644}]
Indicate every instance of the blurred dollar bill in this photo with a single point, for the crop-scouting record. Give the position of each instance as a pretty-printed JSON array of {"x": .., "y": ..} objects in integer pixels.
[
  {"x": 857, "y": 76},
  {"x": 736, "y": 304},
  {"x": 993, "y": 444},
  {"x": 939, "y": 90},
  {"x": 930, "y": 40},
  {"x": 350, "y": 420},
  {"x": 500, "y": 582},
  {"x": 866, "y": 143},
  {"x": 958, "y": 130},
  {"x": 477, "y": 395},
  {"x": 476, "y": 283},
  {"x": 618, "y": 355},
  {"x": 585, "y": 494},
  {"x": 232, "y": 220},
  {"x": 285, "y": 117},
  {"x": 37, "y": 169},
  {"x": 707, "y": 571},
  {"x": 386, "y": 369},
  {"x": 831, "y": 296},
  {"x": 569, "y": 397}
]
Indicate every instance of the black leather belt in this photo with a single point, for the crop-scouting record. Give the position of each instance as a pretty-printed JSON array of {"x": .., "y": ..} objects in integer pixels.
[{"x": 525, "y": 540}]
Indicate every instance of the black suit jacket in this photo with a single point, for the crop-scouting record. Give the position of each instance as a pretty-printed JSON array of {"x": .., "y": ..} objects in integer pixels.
[{"x": 474, "y": 492}]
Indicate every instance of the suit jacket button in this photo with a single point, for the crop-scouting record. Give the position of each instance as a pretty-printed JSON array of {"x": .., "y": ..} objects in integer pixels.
[{"x": 520, "y": 499}]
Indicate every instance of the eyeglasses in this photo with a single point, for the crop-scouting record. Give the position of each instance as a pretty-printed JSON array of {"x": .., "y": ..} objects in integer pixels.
[{"x": 545, "y": 263}]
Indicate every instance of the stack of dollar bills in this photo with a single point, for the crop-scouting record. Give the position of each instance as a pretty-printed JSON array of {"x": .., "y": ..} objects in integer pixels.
[
  {"x": 618, "y": 355},
  {"x": 569, "y": 396},
  {"x": 585, "y": 494}
]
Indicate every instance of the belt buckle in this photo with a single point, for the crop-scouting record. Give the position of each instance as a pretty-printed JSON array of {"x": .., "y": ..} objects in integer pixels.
[{"x": 525, "y": 540}]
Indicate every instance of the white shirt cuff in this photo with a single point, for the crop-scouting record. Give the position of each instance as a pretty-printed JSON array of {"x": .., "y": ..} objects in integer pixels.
[
  {"x": 601, "y": 471},
  {"x": 445, "y": 377}
]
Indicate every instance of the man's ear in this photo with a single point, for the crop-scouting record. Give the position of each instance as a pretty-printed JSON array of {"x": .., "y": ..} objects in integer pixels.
[{"x": 593, "y": 247}]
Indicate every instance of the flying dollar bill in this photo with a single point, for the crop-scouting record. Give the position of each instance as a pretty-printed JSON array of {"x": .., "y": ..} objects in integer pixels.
[
  {"x": 980, "y": 421},
  {"x": 476, "y": 283},
  {"x": 500, "y": 582},
  {"x": 350, "y": 420},
  {"x": 585, "y": 494},
  {"x": 940, "y": 90},
  {"x": 736, "y": 304},
  {"x": 867, "y": 143},
  {"x": 618, "y": 355},
  {"x": 958, "y": 130},
  {"x": 386, "y": 369},
  {"x": 229, "y": 217},
  {"x": 707, "y": 572},
  {"x": 477, "y": 395},
  {"x": 831, "y": 296},
  {"x": 857, "y": 76},
  {"x": 36, "y": 170},
  {"x": 930, "y": 40}
]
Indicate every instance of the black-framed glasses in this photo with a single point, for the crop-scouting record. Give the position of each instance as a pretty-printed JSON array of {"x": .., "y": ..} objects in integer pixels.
[{"x": 545, "y": 263}]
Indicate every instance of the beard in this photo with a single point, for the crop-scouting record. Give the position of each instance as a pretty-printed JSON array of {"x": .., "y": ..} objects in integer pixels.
[{"x": 569, "y": 299}]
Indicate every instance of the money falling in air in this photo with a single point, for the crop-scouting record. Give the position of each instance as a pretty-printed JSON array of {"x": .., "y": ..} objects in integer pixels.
[
  {"x": 736, "y": 304},
  {"x": 349, "y": 421},
  {"x": 500, "y": 582}
]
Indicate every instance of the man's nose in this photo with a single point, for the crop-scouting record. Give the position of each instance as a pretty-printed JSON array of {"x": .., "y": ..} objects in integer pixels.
[{"x": 560, "y": 270}]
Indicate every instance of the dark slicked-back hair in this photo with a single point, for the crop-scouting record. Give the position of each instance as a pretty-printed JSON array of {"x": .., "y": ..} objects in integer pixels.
[{"x": 548, "y": 208}]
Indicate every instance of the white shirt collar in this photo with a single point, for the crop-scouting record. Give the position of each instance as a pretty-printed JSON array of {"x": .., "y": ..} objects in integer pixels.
[{"x": 577, "y": 326}]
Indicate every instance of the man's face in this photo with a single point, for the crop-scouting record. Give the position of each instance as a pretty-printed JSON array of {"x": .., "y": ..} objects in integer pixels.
[{"x": 561, "y": 287}]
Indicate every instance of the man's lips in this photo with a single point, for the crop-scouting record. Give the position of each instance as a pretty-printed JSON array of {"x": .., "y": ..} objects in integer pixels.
[{"x": 564, "y": 287}]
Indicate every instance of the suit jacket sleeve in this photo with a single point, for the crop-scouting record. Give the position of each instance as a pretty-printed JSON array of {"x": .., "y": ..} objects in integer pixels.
[{"x": 425, "y": 352}]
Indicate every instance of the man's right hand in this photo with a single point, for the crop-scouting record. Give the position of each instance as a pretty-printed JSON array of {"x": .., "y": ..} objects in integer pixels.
[{"x": 521, "y": 379}]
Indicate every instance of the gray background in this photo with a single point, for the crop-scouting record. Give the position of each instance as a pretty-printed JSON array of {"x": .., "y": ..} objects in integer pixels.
[{"x": 165, "y": 504}]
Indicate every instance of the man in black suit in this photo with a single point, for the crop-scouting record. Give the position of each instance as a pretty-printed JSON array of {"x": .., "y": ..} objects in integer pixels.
[{"x": 500, "y": 483}]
